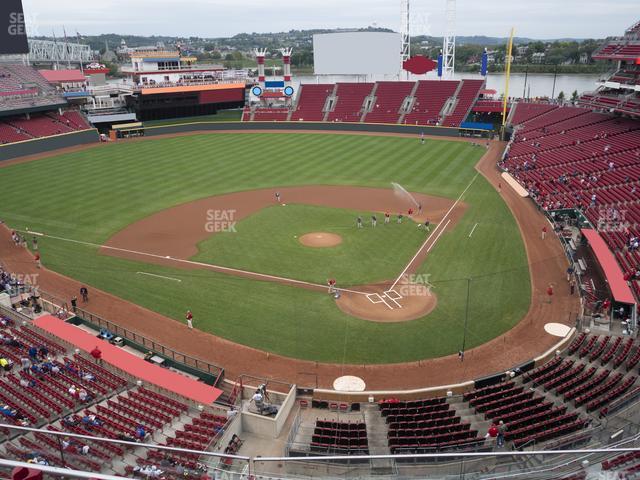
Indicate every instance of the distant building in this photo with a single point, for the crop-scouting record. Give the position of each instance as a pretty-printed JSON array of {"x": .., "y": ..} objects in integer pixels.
[{"x": 538, "y": 57}]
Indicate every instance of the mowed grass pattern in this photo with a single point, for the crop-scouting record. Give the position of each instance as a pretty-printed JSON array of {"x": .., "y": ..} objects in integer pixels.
[
  {"x": 90, "y": 195},
  {"x": 366, "y": 255}
]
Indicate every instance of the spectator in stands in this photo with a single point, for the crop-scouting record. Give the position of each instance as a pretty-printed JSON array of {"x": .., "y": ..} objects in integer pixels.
[
  {"x": 43, "y": 352},
  {"x": 502, "y": 429},
  {"x": 24, "y": 382},
  {"x": 87, "y": 376},
  {"x": 33, "y": 354},
  {"x": 96, "y": 353},
  {"x": 140, "y": 432},
  {"x": 25, "y": 364},
  {"x": 492, "y": 432},
  {"x": 91, "y": 421},
  {"x": 70, "y": 421},
  {"x": 83, "y": 395},
  {"x": 73, "y": 391}
]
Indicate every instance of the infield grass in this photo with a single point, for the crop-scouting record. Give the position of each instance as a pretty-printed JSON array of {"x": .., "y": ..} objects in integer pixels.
[{"x": 90, "y": 195}]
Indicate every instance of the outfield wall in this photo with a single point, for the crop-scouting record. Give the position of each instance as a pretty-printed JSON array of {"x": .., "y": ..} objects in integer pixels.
[
  {"x": 41, "y": 145},
  {"x": 302, "y": 126}
]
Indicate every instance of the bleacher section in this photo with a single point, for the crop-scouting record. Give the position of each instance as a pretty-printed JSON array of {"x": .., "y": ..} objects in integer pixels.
[
  {"x": 569, "y": 157},
  {"x": 623, "y": 98},
  {"x": 409, "y": 103},
  {"x": 340, "y": 438},
  {"x": 430, "y": 98},
  {"x": 23, "y": 87},
  {"x": 15, "y": 129},
  {"x": 349, "y": 101},
  {"x": 49, "y": 387},
  {"x": 423, "y": 426},
  {"x": 467, "y": 95},
  {"x": 311, "y": 102},
  {"x": 389, "y": 97}
]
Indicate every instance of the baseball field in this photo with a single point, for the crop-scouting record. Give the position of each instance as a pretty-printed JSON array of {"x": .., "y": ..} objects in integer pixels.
[{"x": 132, "y": 198}]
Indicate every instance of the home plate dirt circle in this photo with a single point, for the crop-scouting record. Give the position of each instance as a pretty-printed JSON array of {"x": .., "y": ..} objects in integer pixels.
[
  {"x": 386, "y": 303},
  {"x": 320, "y": 239}
]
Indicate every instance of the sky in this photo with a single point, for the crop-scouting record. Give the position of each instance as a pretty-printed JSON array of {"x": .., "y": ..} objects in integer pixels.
[{"x": 223, "y": 18}]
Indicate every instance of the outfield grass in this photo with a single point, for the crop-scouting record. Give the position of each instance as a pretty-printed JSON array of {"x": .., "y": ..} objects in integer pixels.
[
  {"x": 365, "y": 255},
  {"x": 92, "y": 194}
]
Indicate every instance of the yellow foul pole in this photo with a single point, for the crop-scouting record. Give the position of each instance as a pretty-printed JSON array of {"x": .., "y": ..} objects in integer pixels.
[{"x": 506, "y": 79}]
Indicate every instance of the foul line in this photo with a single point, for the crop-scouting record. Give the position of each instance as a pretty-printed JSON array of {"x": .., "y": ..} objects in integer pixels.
[
  {"x": 159, "y": 276},
  {"x": 190, "y": 262},
  {"x": 439, "y": 234},
  {"x": 473, "y": 230},
  {"x": 434, "y": 231}
]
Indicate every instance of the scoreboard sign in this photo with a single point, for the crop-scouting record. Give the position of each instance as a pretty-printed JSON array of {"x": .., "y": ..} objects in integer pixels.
[{"x": 13, "y": 33}]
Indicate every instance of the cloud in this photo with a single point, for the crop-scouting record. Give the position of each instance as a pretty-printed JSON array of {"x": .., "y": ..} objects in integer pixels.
[{"x": 219, "y": 18}]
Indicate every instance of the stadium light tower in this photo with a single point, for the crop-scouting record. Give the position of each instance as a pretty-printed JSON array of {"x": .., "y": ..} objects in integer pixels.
[
  {"x": 405, "y": 26},
  {"x": 449, "y": 44}
]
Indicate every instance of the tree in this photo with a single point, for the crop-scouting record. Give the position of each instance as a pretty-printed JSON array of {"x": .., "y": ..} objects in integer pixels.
[
  {"x": 574, "y": 96},
  {"x": 561, "y": 96}
]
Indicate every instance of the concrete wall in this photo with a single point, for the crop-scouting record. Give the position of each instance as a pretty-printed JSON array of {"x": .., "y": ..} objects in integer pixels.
[
  {"x": 269, "y": 427},
  {"x": 47, "y": 144},
  {"x": 301, "y": 126}
]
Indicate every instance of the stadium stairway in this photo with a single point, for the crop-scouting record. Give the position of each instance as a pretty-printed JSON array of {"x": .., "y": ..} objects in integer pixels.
[
  {"x": 409, "y": 106},
  {"x": 333, "y": 95},
  {"x": 369, "y": 102},
  {"x": 377, "y": 431}
]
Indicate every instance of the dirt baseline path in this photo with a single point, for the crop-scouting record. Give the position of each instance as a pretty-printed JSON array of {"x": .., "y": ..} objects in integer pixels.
[{"x": 527, "y": 339}]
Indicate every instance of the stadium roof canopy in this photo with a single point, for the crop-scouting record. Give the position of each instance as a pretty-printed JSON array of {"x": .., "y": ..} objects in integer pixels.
[
  {"x": 63, "y": 76},
  {"x": 612, "y": 271}
]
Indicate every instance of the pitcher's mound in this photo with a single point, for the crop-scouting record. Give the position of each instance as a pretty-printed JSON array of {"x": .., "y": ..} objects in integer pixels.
[{"x": 320, "y": 239}]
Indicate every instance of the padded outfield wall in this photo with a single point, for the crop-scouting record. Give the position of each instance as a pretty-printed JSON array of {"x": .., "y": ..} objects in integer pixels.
[
  {"x": 303, "y": 126},
  {"x": 41, "y": 145}
]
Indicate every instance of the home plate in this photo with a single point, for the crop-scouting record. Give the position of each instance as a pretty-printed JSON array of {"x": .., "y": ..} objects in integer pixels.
[{"x": 557, "y": 329}]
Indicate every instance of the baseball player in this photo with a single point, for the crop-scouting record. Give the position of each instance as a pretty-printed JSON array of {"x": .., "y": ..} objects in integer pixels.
[
  {"x": 419, "y": 208},
  {"x": 410, "y": 212},
  {"x": 427, "y": 225},
  {"x": 374, "y": 221},
  {"x": 189, "y": 318},
  {"x": 387, "y": 217},
  {"x": 278, "y": 197},
  {"x": 332, "y": 286},
  {"x": 359, "y": 221},
  {"x": 399, "y": 218}
]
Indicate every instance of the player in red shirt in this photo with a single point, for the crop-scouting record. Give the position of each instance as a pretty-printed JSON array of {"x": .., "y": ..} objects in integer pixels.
[{"x": 332, "y": 285}]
